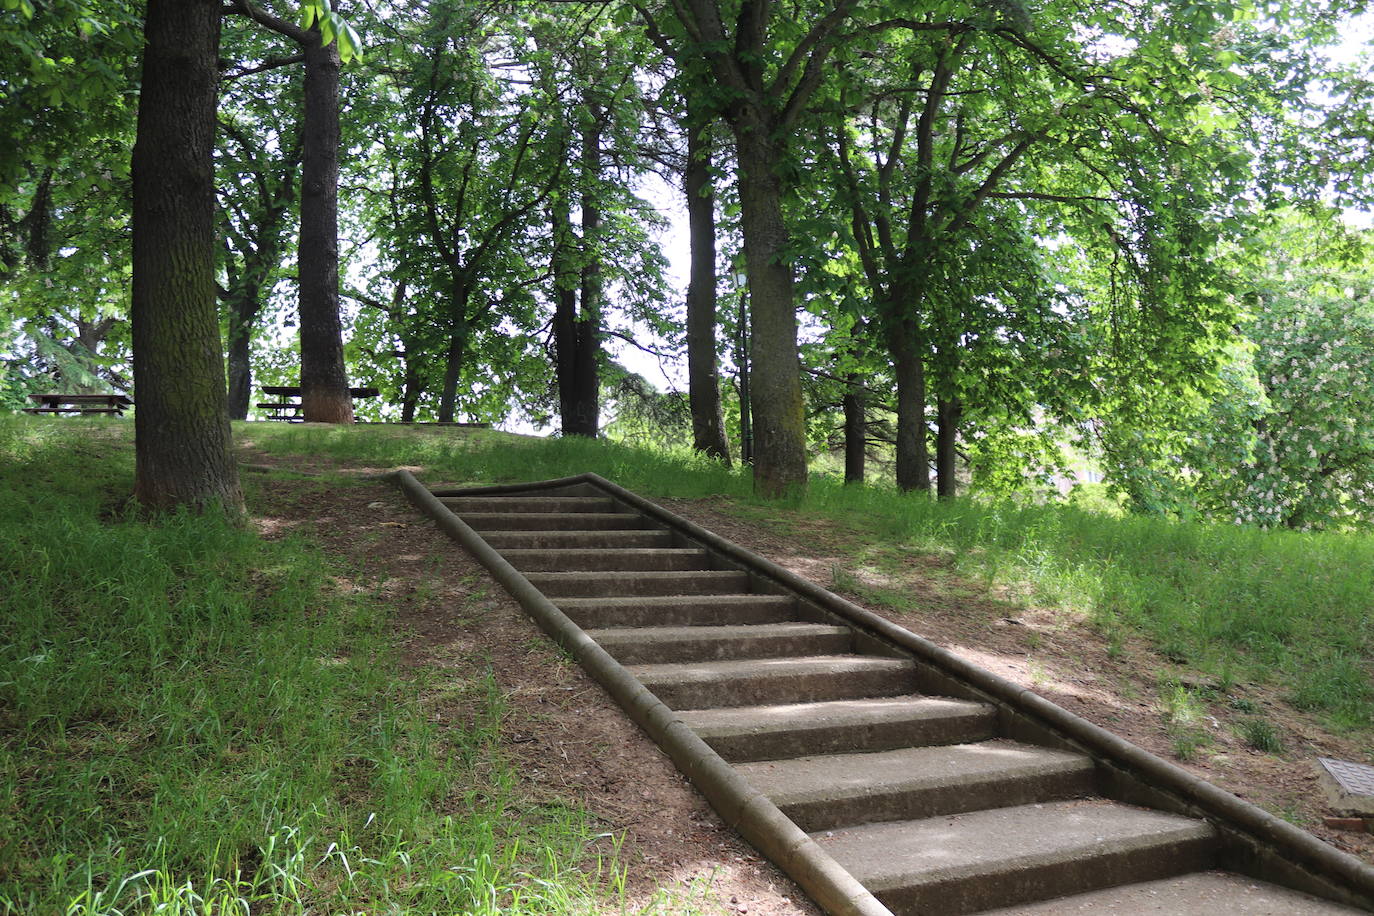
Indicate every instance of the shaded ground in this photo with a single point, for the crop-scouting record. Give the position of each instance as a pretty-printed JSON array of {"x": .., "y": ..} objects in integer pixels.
[
  {"x": 1122, "y": 688},
  {"x": 571, "y": 744}
]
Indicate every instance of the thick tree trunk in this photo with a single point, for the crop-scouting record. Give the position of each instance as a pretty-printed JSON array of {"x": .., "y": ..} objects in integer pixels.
[
  {"x": 457, "y": 349},
  {"x": 703, "y": 378},
  {"x": 778, "y": 410},
  {"x": 855, "y": 432},
  {"x": 324, "y": 380},
  {"x": 243, "y": 311},
  {"x": 948, "y": 413},
  {"x": 913, "y": 456},
  {"x": 411, "y": 387},
  {"x": 182, "y": 437},
  {"x": 577, "y": 325}
]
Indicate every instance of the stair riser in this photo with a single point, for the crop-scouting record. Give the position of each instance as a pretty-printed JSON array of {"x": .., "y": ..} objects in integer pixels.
[
  {"x": 832, "y": 814},
  {"x": 630, "y": 653},
  {"x": 807, "y": 688},
  {"x": 974, "y": 893},
  {"x": 842, "y": 739},
  {"x": 607, "y": 561},
  {"x": 692, "y": 613},
  {"x": 589, "y": 540},
  {"x": 554, "y": 521},
  {"x": 616, "y": 586},
  {"x": 467, "y": 504}
]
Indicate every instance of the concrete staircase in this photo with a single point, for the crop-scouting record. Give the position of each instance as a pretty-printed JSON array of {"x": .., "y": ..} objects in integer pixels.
[{"x": 924, "y": 799}]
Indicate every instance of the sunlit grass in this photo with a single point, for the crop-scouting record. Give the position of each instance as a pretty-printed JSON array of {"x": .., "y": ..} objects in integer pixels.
[{"x": 195, "y": 721}]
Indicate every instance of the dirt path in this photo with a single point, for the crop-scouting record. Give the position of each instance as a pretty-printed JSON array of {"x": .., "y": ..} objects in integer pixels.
[{"x": 570, "y": 743}]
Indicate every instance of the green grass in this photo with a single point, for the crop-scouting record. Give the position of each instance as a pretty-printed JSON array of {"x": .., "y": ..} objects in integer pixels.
[
  {"x": 193, "y": 721},
  {"x": 1284, "y": 607}
]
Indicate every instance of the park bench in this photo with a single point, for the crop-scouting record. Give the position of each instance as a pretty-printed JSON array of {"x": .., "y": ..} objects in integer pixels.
[
  {"x": 79, "y": 404},
  {"x": 288, "y": 405}
]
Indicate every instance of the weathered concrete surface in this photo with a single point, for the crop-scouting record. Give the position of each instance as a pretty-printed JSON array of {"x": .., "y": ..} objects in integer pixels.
[
  {"x": 553, "y": 521},
  {"x": 603, "y": 559},
  {"x": 559, "y": 540},
  {"x": 775, "y": 680},
  {"x": 868, "y": 724},
  {"x": 679, "y": 610},
  {"x": 821, "y": 793},
  {"x": 652, "y": 645},
  {"x": 463, "y": 505},
  {"x": 1207, "y": 893},
  {"x": 965, "y": 863},
  {"x": 628, "y": 584}
]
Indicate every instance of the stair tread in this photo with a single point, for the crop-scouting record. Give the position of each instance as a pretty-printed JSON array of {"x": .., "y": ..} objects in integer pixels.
[
  {"x": 667, "y": 575},
  {"x": 853, "y": 776},
  {"x": 1203, "y": 893},
  {"x": 674, "y": 600},
  {"x": 744, "y": 631},
  {"x": 930, "y": 851},
  {"x": 696, "y": 672},
  {"x": 754, "y": 720}
]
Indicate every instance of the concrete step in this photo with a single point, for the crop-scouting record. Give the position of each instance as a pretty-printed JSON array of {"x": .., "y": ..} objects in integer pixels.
[
  {"x": 678, "y": 610},
  {"x": 781, "y": 680},
  {"x": 465, "y": 504},
  {"x": 841, "y": 790},
  {"x": 562, "y": 540},
  {"x": 1204, "y": 893},
  {"x": 553, "y": 521},
  {"x": 965, "y": 863},
  {"x": 625, "y": 584},
  {"x": 651, "y": 645},
  {"x": 747, "y": 733},
  {"x": 603, "y": 559}
]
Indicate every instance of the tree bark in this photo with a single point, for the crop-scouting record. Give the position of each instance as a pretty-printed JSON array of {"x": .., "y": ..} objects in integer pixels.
[
  {"x": 855, "y": 432},
  {"x": 457, "y": 349},
  {"x": 703, "y": 377},
  {"x": 182, "y": 436},
  {"x": 324, "y": 380},
  {"x": 913, "y": 456},
  {"x": 948, "y": 412},
  {"x": 778, "y": 409},
  {"x": 243, "y": 311}
]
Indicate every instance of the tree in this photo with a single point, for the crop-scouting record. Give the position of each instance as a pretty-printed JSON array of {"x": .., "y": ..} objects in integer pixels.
[
  {"x": 182, "y": 438},
  {"x": 323, "y": 41},
  {"x": 258, "y": 165},
  {"x": 765, "y": 84}
]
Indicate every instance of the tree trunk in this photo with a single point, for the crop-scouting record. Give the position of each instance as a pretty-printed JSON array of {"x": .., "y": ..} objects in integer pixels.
[
  {"x": 913, "y": 456},
  {"x": 948, "y": 413},
  {"x": 182, "y": 437},
  {"x": 855, "y": 432},
  {"x": 243, "y": 311},
  {"x": 457, "y": 349},
  {"x": 324, "y": 380},
  {"x": 778, "y": 411},
  {"x": 703, "y": 378}
]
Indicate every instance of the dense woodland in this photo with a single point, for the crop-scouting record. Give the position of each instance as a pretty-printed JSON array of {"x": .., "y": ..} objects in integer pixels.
[{"x": 958, "y": 246}]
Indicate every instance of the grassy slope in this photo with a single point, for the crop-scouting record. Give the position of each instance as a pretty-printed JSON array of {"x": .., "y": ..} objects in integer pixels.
[
  {"x": 180, "y": 720},
  {"x": 1273, "y": 606},
  {"x": 183, "y": 728}
]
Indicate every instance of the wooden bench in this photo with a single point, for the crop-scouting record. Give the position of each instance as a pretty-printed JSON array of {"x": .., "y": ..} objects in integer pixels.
[
  {"x": 79, "y": 404},
  {"x": 290, "y": 410}
]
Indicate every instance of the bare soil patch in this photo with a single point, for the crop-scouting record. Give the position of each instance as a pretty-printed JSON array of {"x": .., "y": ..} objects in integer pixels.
[
  {"x": 571, "y": 744},
  {"x": 1062, "y": 657}
]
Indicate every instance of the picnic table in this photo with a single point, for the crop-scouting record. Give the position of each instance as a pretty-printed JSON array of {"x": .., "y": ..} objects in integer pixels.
[
  {"x": 58, "y": 403},
  {"x": 288, "y": 407}
]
